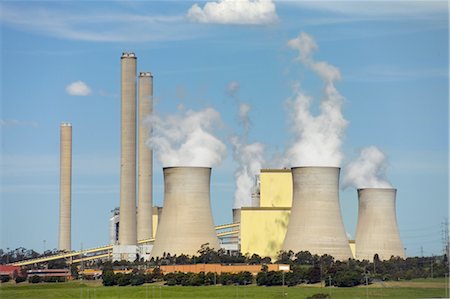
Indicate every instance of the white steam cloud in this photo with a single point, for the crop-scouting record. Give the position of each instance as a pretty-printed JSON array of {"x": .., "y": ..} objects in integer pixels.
[
  {"x": 318, "y": 139},
  {"x": 368, "y": 170},
  {"x": 78, "y": 88},
  {"x": 244, "y": 110},
  {"x": 239, "y": 12},
  {"x": 187, "y": 139},
  {"x": 250, "y": 159}
]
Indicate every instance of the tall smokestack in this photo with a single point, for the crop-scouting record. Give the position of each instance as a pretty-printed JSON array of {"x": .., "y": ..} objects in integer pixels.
[
  {"x": 65, "y": 187},
  {"x": 186, "y": 221},
  {"x": 315, "y": 223},
  {"x": 145, "y": 163},
  {"x": 377, "y": 230},
  {"x": 127, "y": 227}
]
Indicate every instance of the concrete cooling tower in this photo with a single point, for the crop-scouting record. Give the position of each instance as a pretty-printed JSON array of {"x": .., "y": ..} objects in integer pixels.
[
  {"x": 127, "y": 227},
  {"x": 186, "y": 220},
  {"x": 377, "y": 230},
  {"x": 65, "y": 187},
  {"x": 144, "y": 214},
  {"x": 315, "y": 223}
]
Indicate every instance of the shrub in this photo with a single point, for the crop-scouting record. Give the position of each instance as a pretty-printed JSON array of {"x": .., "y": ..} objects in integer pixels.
[
  {"x": 109, "y": 279},
  {"x": 124, "y": 279},
  {"x": 4, "y": 278},
  {"x": 53, "y": 279},
  {"x": 34, "y": 279},
  {"x": 261, "y": 278},
  {"x": 210, "y": 278},
  {"x": 319, "y": 296},
  {"x": 87, "y": 277},
  {"x": 137, "y": 280},
  {"x": 274, "y": 278},
  {"x": 149, "y": 277},
  {"x": 313, "y": 275},
  {"x": 170, "y": 279},
  {"x": 20, "y": 279},
  {"x": 347, "y": 278},
  {"x": 244, "y": 278},
  {"x": 226, "y": 279}
]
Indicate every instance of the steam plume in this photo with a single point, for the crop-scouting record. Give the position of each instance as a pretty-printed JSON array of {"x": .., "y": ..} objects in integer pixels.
[
  {"x": 368, "y": 170},
  {"x": 187, "y": 138},
  {"x": 233, "y": 88},
  {"x": 318, "y": 138},
  {"x": 248, "y": 156},
  {"x": 244, "y": 110},
  {"x": 250, "y": 159}
]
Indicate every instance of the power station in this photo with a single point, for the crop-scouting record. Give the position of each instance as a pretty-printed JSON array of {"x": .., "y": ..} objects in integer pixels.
[{"x": 295, "y": 209}]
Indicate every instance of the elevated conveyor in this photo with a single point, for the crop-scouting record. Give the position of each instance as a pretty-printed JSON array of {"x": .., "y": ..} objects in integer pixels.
[{"x": 106, "y": 251}]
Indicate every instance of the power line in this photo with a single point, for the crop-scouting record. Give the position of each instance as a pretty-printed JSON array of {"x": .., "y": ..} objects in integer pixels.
[{"x": 445, "y": 237}]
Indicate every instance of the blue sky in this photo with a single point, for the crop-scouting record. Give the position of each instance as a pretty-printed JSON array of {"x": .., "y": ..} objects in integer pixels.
[{"x": 393, "y": 59}]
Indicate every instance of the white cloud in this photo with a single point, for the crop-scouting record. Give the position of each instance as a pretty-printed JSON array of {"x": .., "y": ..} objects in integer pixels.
[
  {"x": 78, "y": 88},
  {"x": 240, "y": 12}
]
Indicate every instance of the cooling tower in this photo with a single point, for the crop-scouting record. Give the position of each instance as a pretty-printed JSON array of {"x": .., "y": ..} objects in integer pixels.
[
  {"x": 315, "y": 222},
  {"x": 186, "y": 221},
  {"x": 144, "y": 214},
  {"x": 127, "y": 227},
  {"x": 377, "y": 230},
  {"x": 65, "y": 187}
]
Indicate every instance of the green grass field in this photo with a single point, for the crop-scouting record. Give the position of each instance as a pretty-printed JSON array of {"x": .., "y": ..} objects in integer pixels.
[{"x": 432, "y": 288}]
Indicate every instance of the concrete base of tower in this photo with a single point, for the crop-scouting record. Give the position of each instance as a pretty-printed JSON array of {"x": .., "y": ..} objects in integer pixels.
[
  {"x": 125, "y": 253},
  {"x": 144, "y": 251}
]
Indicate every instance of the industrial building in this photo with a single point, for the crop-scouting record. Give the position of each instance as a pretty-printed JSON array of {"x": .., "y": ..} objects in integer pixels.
[{"x": 263, "y": 227}]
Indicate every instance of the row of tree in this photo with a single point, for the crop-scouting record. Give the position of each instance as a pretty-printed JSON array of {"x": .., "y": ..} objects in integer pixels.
[
  {"x": 303, "y": 265},
  {"x": 307, "y": 275}
]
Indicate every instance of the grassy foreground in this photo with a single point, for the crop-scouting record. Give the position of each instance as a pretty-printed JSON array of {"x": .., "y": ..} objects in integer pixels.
[{"x": 432, "y": 288}]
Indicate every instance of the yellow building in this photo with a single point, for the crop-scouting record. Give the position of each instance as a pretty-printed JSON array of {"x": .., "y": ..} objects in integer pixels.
[
  {"x": 275, "y": 188},
  {"x": 262, "y": 229},
  {"x": 352, "y": 247},
  {"x": 156, "y": 216}
]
